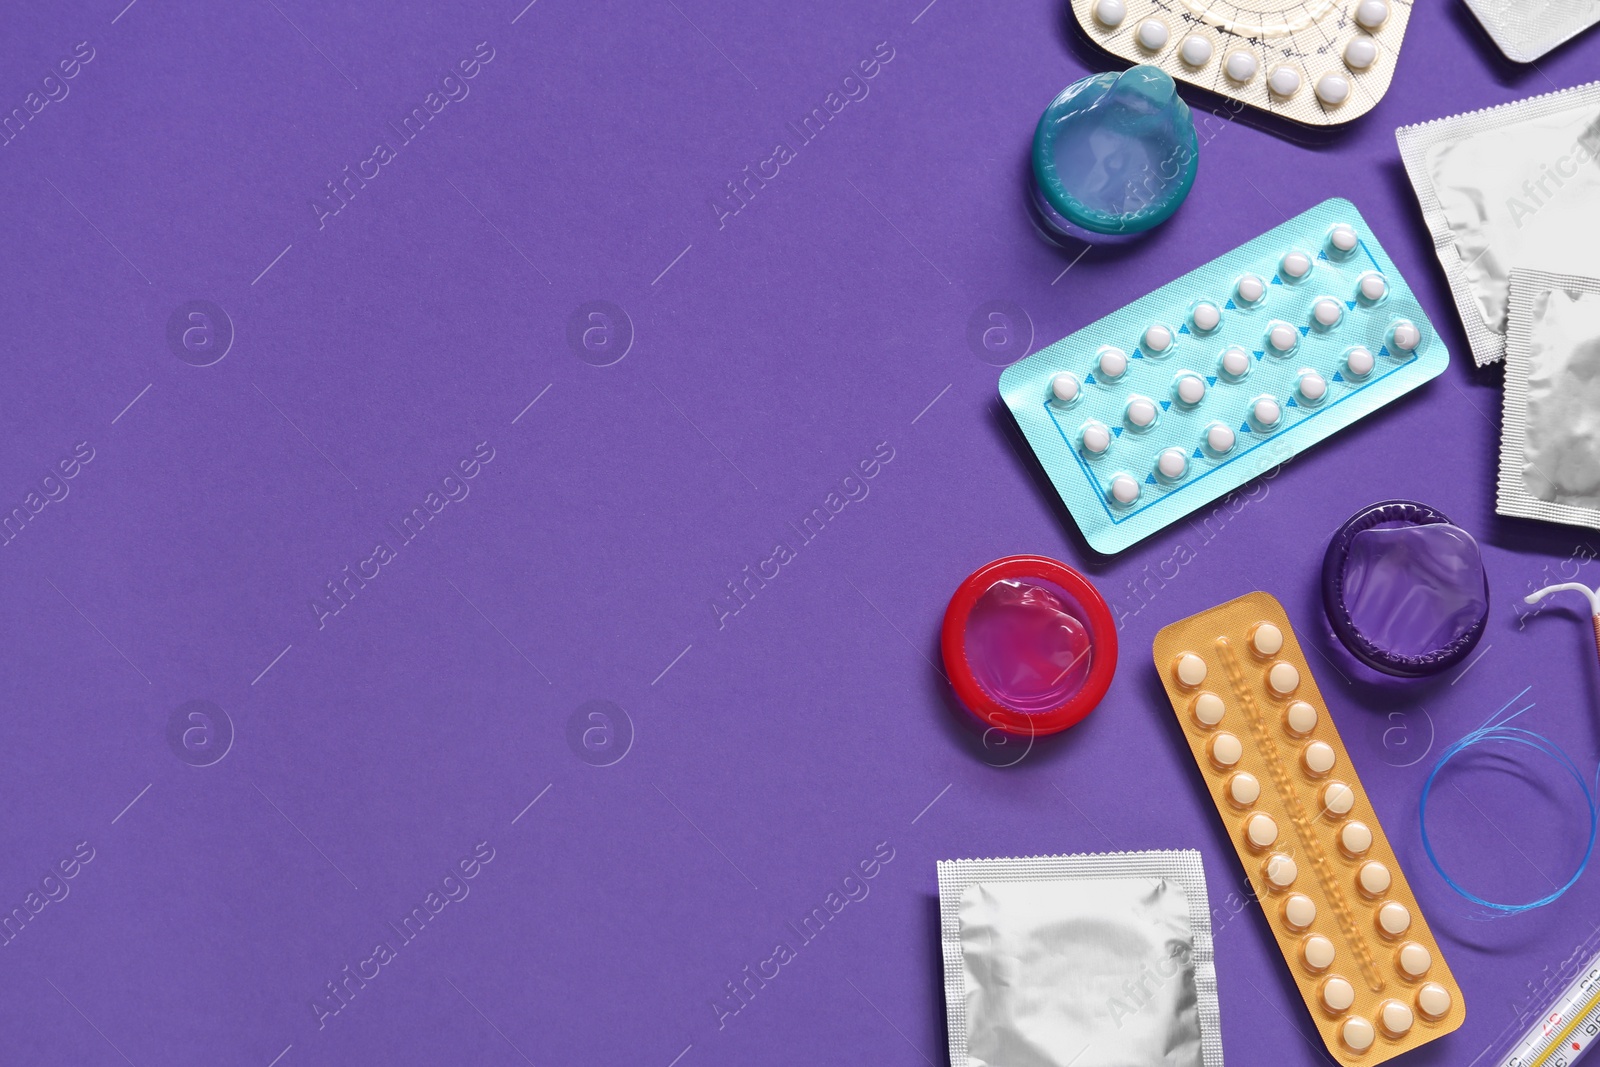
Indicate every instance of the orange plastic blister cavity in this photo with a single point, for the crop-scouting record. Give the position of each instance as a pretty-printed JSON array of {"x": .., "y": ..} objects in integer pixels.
[{"x": 1333, "y": 892}]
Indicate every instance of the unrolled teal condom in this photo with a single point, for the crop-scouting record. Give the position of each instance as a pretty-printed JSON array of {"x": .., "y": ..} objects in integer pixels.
[{"x": 1114, "y": 153}]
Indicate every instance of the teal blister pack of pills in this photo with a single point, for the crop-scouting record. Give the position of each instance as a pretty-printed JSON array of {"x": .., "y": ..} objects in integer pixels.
[{"x": 1189, "y": 392}]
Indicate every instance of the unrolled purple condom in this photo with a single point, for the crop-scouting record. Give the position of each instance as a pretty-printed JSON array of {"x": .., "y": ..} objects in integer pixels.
[{"x": 1404, "y": 589}]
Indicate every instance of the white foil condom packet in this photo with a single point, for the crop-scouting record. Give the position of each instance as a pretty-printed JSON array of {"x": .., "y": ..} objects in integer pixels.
[
  {"x": 1550, "y": 434},
  {"x": 1101, "y": 960},
  {"x": 1526, "y": 29},
  {"x": 1511, "y": 186}
]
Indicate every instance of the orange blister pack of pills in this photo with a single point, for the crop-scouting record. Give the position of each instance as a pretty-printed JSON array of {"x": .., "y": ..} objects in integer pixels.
[{"x": 1349, "y": 927}]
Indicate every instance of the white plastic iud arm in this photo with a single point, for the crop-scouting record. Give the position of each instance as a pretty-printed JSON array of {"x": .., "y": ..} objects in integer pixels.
[{"x": 1592, "y": 594}]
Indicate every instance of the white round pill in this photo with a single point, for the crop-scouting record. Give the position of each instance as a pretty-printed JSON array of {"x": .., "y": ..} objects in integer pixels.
[
  {"x": 1208, "y": 709},
  {"x": 1267, "y": 413},
  {"x": 1357, "y": 1033},
  {"x": 1266, "y": 639},
  {"x": 1064, "y": 387},
  {"x": 1153, "y": 34},
  {"x": 1172, "y": 463},
  {"x": 1243, "y": 789},
  {"x": 1359, "y": 361},
  {"x": 1338, "y": 799},
  {"x": 1300, "y": 718},
  {"x": 1355, "y": 837},
  {"x": 1313, "y": 386},
  {"x": 1299, "y": 911},
  {"x": 1394, "y": 919},
  {"x": 1235, "y": 362},
  {"x": 1261, "y": 830},
  {"x": 1141, "y": 412},
  {"x": 1338, "y": 994},
  {"x": 1191, "y": 669},
  {"x": 1219, "y": 438},
  {"x": 1096, "y": 438},
  {"x": 1226, "y": 750},
  {"x": 1190, "y": 389},
  {"x": 1206, "y": 316},
  {"x": 1251, "y": 289},
  {"x": 1296, "y": 265},
  {"x": 1283, "y": 80},
  {"x": 1343, "y": 238},
  {"x": 1113, "y": 362},
  {"x": 1333, "y": 89},
  {"x": 1360, "y": 53},
  {"x": 1373, "y": 287},
  {"x": 1157, "y": 339},
  {"x": 1241, "y": 66},
  {"x": 1283, "y": 678},
  {"x": 1124, "y": 490},
  {"x": 1327, "y": 311},
  {"x": 1371, "y": 14},
  {"x": 1413, "y": 960},
  {"x": 1317, "y": 951},
  {"x": 1280, "y": 871},
  {"x": 1195, "y": 50},
  {"x": 1282, "y": 337},
  {"x": 1110, "y": 12},
  {"x": 1373, "y": 879},
  {"x": 1406, "y": 336},
  {"x": 1395, "y": 1018},
  {"x": 1433, "y": 1001},
  {"x": 1318, "y": 757}
]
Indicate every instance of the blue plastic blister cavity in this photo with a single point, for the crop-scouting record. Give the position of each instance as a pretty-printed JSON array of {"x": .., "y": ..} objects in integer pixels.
[{"x": 1185, "y": 394}]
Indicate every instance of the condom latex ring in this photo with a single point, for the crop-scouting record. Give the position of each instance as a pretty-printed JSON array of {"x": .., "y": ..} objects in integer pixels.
[
  {"x": 1029, "y": 645},
  {"x": 1114, "y": 153},
  {"x": 1404, "y": 589}
]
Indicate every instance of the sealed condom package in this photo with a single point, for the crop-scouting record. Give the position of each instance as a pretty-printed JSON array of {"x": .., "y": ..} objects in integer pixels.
[
  {"x": 1550, "y": 435},
  {"x": 1192, "y": 390},
  {"x": 1526, "y": 29},
  {"x": 1319, "y": 64},
  {"x": 1329, "y": 883},
  {"x": 1511, "y": 186},
  {"x": 1097, "y": 960}
]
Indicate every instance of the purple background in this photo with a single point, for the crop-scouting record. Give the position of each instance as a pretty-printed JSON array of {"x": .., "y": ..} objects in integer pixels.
[{"x": 772, "y": 353}]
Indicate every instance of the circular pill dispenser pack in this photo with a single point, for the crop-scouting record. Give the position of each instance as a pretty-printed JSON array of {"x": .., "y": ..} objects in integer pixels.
[
  {"x": 1404, "y": 589},
  {"x": 1319, "y": 63},
  {"x": 1330, "y": 886},
  {"x": 1029, "y": 645}
]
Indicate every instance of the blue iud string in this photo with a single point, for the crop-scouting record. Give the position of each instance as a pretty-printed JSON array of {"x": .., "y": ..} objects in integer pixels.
[{"x": 1496, "y": 728}]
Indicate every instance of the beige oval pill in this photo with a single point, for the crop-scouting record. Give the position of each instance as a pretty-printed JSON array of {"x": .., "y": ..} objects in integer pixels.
[
  {"x": 1261, "y": 830},
  {"x": 1373, "y": 879},
  {"x": 1395, "y": 1018},
  {"x": 1357, "y": 1032},
  {"x": 1207, "y": 709},
  {"x": 1283, "y": 678},
  {"x": 1243, "y": 789},
  {"x": 1355, "y": 837},
  {"x": 1300, "y": 911},
  {"x": 1318, "y": 758},
  {"x": 1394, "y": 919},
  {"x": 1300, "y": 718},
  {"x": 1433, "y": 1001},
  {"x": 1413, "y": 960},
  {"x": 1226, "y": 750},
  {"x": 1266, "y": 639},
  {"x": 1191, "y": 670},
  {"x": 1280, "y": 871},
  {"x": 1338, "y": 994},
  {"x": 1338, "y": 799},
  {"x": 1317, "y": 951}
]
